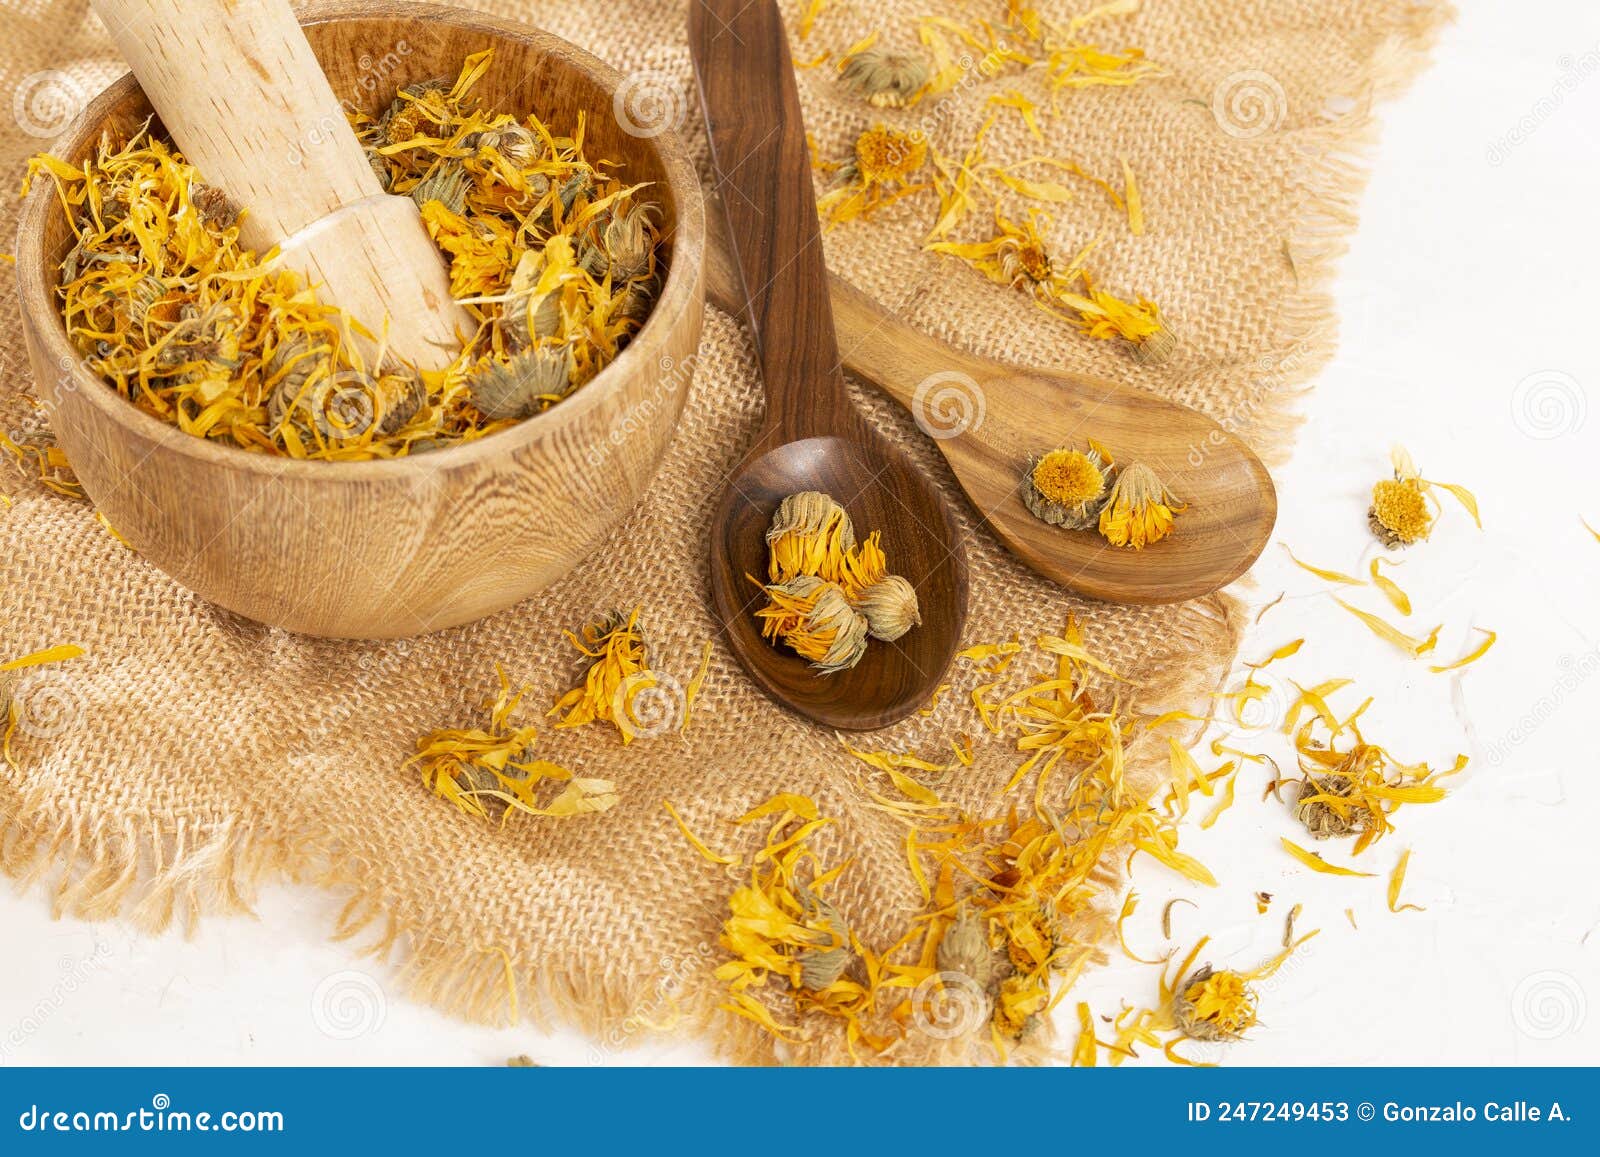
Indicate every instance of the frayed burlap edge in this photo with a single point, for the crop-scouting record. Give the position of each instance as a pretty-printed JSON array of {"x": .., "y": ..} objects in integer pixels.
[{"x": 158, "y": 870}]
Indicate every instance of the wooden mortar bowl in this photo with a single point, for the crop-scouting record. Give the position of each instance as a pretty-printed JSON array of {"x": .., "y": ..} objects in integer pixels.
[{"x": 385, "y": 549}]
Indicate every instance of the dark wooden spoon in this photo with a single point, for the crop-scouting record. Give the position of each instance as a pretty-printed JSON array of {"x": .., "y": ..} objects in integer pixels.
[{"x": 813, "y": 437}]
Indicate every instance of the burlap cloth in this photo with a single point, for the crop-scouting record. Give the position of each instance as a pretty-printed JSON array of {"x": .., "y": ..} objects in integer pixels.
[{"x": 193, "y": 756}]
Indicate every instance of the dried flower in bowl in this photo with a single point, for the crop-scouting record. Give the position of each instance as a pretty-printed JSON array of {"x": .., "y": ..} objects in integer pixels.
[
  {"x": 1067, "y": 487},
  {"x": 163, "y": 302}
]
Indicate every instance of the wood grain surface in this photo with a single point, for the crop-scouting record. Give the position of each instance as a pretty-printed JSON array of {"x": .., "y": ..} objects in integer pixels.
[
  {"x": 813, "y": 437},
  {"x": 389, "y": 548},
  {"x": 988, "y": 417}
]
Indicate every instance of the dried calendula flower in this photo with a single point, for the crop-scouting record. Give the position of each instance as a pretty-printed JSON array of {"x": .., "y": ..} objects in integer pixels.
[
  {"x": 814, "y": 618},
  {"x": 890, "y": 608},
  {"x": 526, "y": 384},
  {"x": 810, "y": 534},
  {"x": 1401, "y": 513},
  {"x": 618, "y": 672},
  {"x": 163, "y": 302},
  {"x": 884, "y": 79},
  {"x": 826, "y": 593},
  {"x": 1214, "y": 1006},
  {"x": 1139, "y": 509},
  {"x": 1067, "y": 487},
  {"x": 1220, "y": 1005},
  {"x": 37, "y": 449},
  {"x": 480, "y": 769},
  {"x": 883, "y": 167},
  {"x": 965, "y": 949},
  {"x": 823, "y": 964}
]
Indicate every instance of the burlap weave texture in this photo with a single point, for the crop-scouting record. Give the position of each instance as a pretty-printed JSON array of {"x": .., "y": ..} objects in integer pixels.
[{"x": 194, "y": 755}]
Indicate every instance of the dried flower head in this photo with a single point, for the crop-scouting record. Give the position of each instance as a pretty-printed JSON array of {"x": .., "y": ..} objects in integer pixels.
[
  {"x": 888, "y": 156},
  {"x": 884, "y": 79},
  {"x": 516, "y": 143},
  {"x": 617, "y": 672},
  {"x": 527, "y": 383},
  {"x": 1214, "y": 1006},
  {"x": 966, "y": 949},
  {"x": 1139, "y": 510},
  {"x": 810, "y": 534},
  {"x": 825, "y": 962},
  {"x": 1067, "y": 487},
  {"x": 1403, "y": 510},
  {"x": 890, "y": 607},
  {"x": 814, "y": 618},
  {"x": 883, "y": 167},
  {"x": 491, "y": 768},
  {"x": 1400, "y": 514},
  {"x": 448, "y": 184}
]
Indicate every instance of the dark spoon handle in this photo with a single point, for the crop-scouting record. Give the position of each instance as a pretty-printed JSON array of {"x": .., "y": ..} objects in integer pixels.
[{"x": 763, "y": 179}]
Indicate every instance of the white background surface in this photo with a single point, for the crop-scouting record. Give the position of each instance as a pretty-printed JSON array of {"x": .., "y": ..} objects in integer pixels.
[{"x": 1470, "y": 302}]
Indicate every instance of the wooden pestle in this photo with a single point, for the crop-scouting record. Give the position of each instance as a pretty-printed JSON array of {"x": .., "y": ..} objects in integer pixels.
[{"x": 237, "y": 86}]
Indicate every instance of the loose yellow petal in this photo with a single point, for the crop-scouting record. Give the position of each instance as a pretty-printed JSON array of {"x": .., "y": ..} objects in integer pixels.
[
  {"x": 58, "y": 654},
  {"x": 1391, "y": 590},
  {"x": 1397, "y": 881},
  {"x": 1472, "y": 656},
  {"x": 1413, "y": 647},
  {"x": 1316, "y": 863},
  {"x": 1332, "y": 576},
  {"x": 1135, "y": 206},
  {"x": 699, "y": 845}
]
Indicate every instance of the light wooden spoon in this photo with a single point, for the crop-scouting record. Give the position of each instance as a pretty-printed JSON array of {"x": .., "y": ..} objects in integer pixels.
[
  {"x": 813, "y": 437},
  {"x": 988, "y": 418}
]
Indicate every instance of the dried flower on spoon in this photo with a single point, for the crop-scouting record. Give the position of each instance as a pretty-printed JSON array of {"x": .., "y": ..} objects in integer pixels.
[
  {"x": 826, "y": 593},
  {"x": 1079, "y": 489}
]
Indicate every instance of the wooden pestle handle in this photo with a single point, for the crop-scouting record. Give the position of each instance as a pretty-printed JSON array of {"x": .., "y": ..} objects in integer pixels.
[
  {"x": 236, "y": 84},
  {"x": 763, "y": 174}
]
